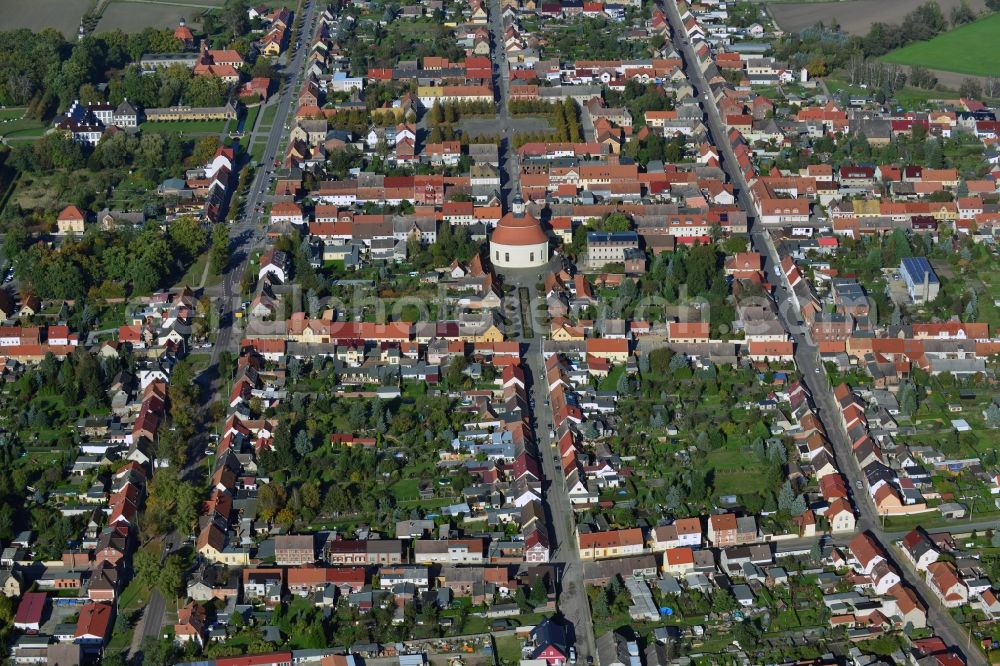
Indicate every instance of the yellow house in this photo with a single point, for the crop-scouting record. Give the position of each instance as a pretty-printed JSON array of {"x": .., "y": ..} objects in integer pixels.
[
  {"x": 478, "y": 16},
  {"x": 211, "y": 546},
  {"x": 70, "y": 221},
  {"x": 613, "y": 543},
  {"x": 563, "y": 332},
  {"x": 490, "y": 333},
  {"x": 945, "y": 212},
  {"x": 272, "y": 48},
  {"x": 313, "y": 334},
  {"x": 613, "y": 349},
  {"x": 231, "y": 558}
]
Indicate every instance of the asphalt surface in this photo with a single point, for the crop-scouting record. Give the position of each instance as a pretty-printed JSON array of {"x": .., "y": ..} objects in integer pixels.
[
  {"x": 509, "y": 171},
  {"x": 807, "y": 356},
  {"x": 246, "y": 235},
  {"x": 573, "y": 602}
]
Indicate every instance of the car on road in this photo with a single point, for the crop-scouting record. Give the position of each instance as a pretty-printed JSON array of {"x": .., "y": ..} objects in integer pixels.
[
  {"x": 572, "y": 655},
  {"x": 816, "y": 370}
]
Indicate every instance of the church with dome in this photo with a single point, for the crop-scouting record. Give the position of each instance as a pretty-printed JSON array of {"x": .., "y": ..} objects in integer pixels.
[{"x": 519, "y": 241}]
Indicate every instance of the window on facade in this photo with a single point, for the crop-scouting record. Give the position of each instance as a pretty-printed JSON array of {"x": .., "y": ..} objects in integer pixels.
[
  {"x": 506, "y": 257},
  {"x": 532, "y": 256}
]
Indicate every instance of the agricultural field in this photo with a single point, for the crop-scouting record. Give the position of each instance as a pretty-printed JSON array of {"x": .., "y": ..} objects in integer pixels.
[
  {"x": 63, "y": 15},
  {"x": 134, "y": 16},
  {"x": 854, "y": 16},
  {"x": 957, "y": 51}
]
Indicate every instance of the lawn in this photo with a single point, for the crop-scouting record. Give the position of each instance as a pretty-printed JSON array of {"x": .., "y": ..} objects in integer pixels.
[
  {"x": 406, "y": 489},
  {"x": 257, "y": 153},
  {"x": 133, "y": 597},
  {"x": 63, "y": 15},
  {"x": 508, "y": 649},
  {"x": 269, "y": 113},
  {"x": 185, "y": 127},
  {"x": 735, "y": 474},
  {"x": 251, "y": 118},
  {"x": 610, "y": 383},
  {"x": 959, "y": 50},
  {"x": 12, "y": 113},
  {"x": 193, "y": 276},
  {"x": 16, "y": 127},
  {"x": 134, "y": 16}
]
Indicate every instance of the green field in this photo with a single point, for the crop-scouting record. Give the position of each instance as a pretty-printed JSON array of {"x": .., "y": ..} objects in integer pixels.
[
  {"x": 13, "y": 125},
  {"x": 960, "y": 50},
  {"x": 185, "y": 126}
]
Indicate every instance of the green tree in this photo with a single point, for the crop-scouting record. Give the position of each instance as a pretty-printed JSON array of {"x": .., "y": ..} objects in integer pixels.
[
  {"x": 723, "y": 602},
  {"x": 158, "y": 651},
  {"x": 187, "y": 235},
  {"x": 303, "y": 445},
  {"x": 615, "y": 222},
  {"x": 961, "y": 14},
  {"x": 786, "y": 497},
  {"x": 220, "y": 249},
  {"x": 171, "y": 576}
]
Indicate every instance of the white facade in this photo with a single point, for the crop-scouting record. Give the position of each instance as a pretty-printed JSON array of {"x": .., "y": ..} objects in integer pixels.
[{"x": 520, "y": 256}]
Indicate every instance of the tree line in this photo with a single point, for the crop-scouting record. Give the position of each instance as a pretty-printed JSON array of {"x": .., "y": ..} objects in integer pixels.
[{"x": 826, "y": 47}]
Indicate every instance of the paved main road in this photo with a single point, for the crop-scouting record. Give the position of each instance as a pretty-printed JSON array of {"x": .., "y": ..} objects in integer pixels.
[
  {"x": 564, "y": 553},
  {"x": 245, "y": 235},
  {"x": 509, "y": 171},
  {"x": 806, "y": 354}
]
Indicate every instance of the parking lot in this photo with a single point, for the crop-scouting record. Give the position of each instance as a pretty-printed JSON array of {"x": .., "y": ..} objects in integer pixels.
[{"x": 897, "y": 288}]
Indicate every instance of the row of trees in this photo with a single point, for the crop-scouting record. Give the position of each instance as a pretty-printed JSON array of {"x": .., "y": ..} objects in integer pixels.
[
  {"x": 566, "y": 120},
  {"x": 924, "y": 22},
  {"x": 823, "y": 48},
  {"x": 452, "y": 112}
]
